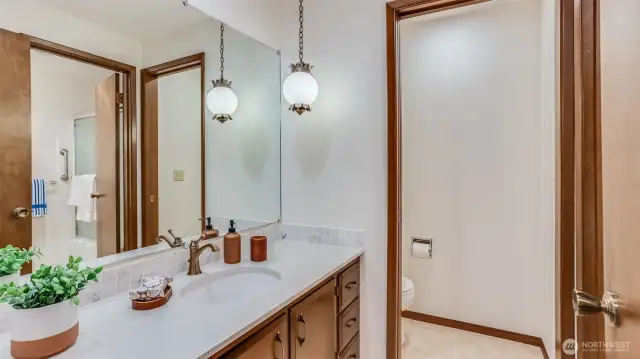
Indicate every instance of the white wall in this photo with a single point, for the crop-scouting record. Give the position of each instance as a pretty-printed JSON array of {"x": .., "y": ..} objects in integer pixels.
[
  {"x": 179, "y": 148},
  {"x": 242, "y": 160},
  {"x": 256, "y": 18},
  {"x": 476, "y": 159},
  {"x": 60, "y": 90},
  {"x": 334, "y": 158},
  {"x": 334, "y": 167}
]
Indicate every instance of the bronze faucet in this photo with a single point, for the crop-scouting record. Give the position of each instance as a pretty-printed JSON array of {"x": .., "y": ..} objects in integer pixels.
[
  {"x": 177, "y": 241},
  {"x": 195, "y": 252}
]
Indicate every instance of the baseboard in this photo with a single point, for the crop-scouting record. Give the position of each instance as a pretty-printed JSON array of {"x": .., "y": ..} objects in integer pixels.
[{"x": 493, "y": 332}]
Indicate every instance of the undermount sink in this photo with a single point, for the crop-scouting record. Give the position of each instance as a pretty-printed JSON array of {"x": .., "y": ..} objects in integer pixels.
[{"x": 232, "y": 284}]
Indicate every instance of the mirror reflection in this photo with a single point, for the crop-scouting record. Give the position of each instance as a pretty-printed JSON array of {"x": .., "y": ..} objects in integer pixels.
[{"x": 122, "y": 146}]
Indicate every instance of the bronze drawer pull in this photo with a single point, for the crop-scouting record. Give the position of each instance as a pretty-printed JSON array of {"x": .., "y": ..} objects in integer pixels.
[
  {"x": 352, "y": 356},
  {"x": 278, "y": 340},
  {"x": 302, "y": 339},
  {"x": 351, "y": 322},
  {"x": 351, "y": 285}
]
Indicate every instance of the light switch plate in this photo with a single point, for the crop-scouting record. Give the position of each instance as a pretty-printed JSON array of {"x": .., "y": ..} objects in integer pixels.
[{"x": 178, "y": 175}]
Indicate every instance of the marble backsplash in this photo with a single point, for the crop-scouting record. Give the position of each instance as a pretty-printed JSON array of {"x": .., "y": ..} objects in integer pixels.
[
  {"x": 124, "y": 276},
  {"x": 323, "y": 235}
]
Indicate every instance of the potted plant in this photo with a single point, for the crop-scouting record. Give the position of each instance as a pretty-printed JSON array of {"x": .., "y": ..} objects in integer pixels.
[
  {"x": 44, "y": 321},
  {"x": 11, "y": 261}
]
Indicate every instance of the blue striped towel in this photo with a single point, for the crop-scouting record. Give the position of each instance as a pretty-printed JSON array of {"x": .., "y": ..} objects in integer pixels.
[{"x": 38, "y": 197}]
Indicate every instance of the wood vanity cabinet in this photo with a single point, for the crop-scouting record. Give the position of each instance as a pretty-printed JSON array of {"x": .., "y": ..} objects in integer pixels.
[
  {"x": 322, "y": 324},
  {"x": 271, "y": 342},
  {"x": 313, "y": 325}
]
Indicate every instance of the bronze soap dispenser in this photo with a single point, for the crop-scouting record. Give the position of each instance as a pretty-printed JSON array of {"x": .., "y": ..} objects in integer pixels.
[
  {"x": 209, "y": 232},
  {"x": 232, "y": 245}
]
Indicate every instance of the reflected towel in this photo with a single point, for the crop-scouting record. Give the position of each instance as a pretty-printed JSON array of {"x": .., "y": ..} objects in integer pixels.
[
  {"x": 80, "y": 196},
  {"x": 38, "y": 197}
]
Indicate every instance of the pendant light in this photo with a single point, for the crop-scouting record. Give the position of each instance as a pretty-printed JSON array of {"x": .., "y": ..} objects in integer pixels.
[
  {"x": 300, "y": 88},
  {"x": 221, "y": 100}
]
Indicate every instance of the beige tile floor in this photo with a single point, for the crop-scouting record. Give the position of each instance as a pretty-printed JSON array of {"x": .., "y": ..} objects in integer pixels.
[{"x": 428, "y": 341}]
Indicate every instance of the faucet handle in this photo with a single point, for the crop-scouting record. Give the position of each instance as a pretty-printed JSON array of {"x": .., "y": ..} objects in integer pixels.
[
  {"x": 197, "y": 241},
  {"x": 176, "y": 240}
]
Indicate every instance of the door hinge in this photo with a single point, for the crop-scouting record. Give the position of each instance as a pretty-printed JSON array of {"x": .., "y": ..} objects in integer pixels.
[
  {"x": 121, "y": 98},
  {"x": 152, "y": 198}
]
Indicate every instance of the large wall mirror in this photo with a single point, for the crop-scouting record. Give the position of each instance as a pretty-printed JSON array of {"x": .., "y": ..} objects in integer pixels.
[{"x": 112, "y": 143}]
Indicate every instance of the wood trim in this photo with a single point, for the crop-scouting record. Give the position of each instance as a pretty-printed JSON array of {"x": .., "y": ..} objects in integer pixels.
[
  {"x": 79, "y": 55},
  {"x": 130, "y": 156},
  {"x": 148, "y": 158},
  {"x": 565, "y": 182},
  {"x": 394, "y": 198},
  {"x": 175, "y": 66},
  {"x": 411, "y": 8},
  {"x": 149, "y": 138},
  {"x": 589, "y": 260},
  {"x": 565, "y": 179},
  {"x": 480, "y": 329}
]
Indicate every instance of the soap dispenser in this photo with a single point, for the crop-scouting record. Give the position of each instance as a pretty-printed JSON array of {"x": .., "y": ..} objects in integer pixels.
[
  {"x": 209, "y": 232},
  {"x": 232, "y": 245}
]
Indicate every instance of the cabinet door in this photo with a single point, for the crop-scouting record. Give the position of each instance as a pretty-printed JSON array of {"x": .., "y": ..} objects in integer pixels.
[
  {"x": 272, "y": 342},
  {"x": 313, "y": 325}
]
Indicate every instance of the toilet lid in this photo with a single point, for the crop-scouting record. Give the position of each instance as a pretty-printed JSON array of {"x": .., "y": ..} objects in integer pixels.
[{"x": 407, "y": 285}]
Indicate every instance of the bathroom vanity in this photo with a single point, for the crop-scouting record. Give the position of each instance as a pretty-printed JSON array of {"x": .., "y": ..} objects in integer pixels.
[
  {"x": 301, "y": 303},
  {"x": 323, "y": 323}
]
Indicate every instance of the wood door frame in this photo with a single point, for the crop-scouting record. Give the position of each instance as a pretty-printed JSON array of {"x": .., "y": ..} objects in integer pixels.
[
  {"x": 149, "y": 138},
  {"x": 129, "y": 165},
  {"x": 589, "y": 243},
  {"x": 578, "y": 195}
]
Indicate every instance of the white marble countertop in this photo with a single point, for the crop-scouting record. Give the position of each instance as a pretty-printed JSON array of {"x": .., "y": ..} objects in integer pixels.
[{"x": 198, "y": 324}]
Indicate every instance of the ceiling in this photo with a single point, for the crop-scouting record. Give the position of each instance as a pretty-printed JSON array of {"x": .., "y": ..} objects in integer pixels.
[{"x": 136, "y": 19}]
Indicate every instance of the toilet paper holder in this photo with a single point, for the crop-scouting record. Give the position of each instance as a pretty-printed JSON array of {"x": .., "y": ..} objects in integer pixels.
[{"x": 420, "y": 251}]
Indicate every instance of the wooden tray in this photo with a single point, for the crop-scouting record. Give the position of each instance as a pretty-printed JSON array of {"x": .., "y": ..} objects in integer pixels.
[{"x": 153, "y": 304}]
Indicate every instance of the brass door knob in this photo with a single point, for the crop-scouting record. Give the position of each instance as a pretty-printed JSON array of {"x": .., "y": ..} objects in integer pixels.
[
  {"x": 21, "y": 213},
  {"x": 97, "y": 195},
  {"x": 587, "y": 304}
]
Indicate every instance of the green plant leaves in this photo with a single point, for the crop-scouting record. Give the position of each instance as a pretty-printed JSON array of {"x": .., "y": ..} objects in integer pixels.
[
  {"x": 12, "y": 259},
  {"x": 49, "y": 285}
]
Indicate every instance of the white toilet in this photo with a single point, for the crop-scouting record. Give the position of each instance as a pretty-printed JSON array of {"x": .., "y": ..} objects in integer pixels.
[{"x": 408, "y": 294}]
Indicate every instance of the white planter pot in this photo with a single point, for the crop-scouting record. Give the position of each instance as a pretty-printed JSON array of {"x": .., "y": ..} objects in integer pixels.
[
  {"x": 5, "y": 308},
  {"x": 43, "y": 332}
]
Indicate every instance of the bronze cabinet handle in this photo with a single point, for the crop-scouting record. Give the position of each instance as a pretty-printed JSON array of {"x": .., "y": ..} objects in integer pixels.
[
  {"x": 351, "y": 285},
  {"x": 352, "y": 356},
  {"x": 278, "y": 340},
  {"x": 97, "y": 195},
  {"x": 303, "y": 338},
  {"x": 351, "y": 322}
]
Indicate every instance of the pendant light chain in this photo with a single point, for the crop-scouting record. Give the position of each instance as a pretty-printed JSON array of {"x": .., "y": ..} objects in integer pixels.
[
  {"x": 301, "y": 33},
  {"x": 221, "y": 51}
]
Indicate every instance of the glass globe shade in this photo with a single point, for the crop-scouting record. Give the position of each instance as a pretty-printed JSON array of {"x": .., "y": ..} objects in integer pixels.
[
  {"x": 300, "y": 87},
  {"x": 222, "y": 100}
]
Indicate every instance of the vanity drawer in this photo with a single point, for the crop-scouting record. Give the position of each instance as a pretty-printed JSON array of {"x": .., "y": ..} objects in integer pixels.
[
  {"x": 349, "y": 282},
  {"x": 348, "y": 325},
  {"x": 352, "y": 351}
]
